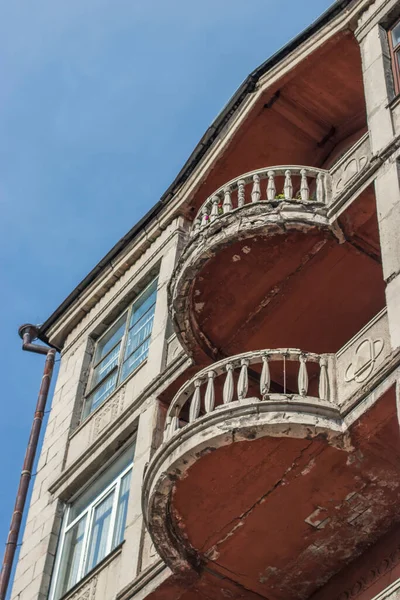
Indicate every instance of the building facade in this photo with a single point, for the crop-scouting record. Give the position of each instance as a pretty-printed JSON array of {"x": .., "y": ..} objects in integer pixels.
[{"x": 224, "y": 423}]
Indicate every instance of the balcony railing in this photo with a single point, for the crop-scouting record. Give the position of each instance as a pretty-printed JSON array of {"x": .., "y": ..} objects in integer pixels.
[
  {"x": 227, "y": 381},
  {"x": 291, "y": 183},
  {"x": 281, "y": 184},
  {"x": 321, "y": 379},
  {"x": 283, "y": 393}
]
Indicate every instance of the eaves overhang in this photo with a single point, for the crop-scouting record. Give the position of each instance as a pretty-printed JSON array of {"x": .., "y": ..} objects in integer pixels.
[{"x": 246, "y": 88}]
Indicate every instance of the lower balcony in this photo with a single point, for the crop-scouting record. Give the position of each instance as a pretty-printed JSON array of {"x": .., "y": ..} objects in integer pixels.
[{"x": 278, "y": 467}]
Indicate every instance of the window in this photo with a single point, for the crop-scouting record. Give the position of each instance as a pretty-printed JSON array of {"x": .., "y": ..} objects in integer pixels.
[
  {"x": 122, "y": 348},
  {"x": 394, "y": 44},
  {"x": 93, "y": 525}
]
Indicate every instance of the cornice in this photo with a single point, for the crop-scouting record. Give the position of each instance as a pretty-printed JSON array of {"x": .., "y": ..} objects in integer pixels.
[{"x": 86, "y": 304}]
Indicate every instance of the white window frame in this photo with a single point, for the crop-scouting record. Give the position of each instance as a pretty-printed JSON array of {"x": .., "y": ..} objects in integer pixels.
[
  {"x": 88, "y": 512},
  {"x": 121, "y": 360}
]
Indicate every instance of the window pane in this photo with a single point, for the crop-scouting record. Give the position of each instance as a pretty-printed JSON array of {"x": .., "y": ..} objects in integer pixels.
[
  {"x": 107, "y": 364},
  {"x": 89, "y": 521},
  {"x": 101, "y": 483},
  {"x": 102, "y": 392},
  {"x": 139, "y": 332},
  {"x": 398, "y": 58},
  {"x": 142, "y": 304},
  {"x": 396, "y": 35},
  {"x": 97, "y": 547},
  {"x": 110, "y": 338},
  {"x": 70, "y": 559},
  {"x": 122, "y": 510},
  {"x": 135, "y": 359}
]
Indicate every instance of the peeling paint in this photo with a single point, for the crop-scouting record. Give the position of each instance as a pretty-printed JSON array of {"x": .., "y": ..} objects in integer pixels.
[{"x": 309, "y": 467}]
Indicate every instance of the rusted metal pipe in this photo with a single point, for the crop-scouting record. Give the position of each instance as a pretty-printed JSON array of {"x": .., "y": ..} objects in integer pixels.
[{"x": 28, "y": 333}]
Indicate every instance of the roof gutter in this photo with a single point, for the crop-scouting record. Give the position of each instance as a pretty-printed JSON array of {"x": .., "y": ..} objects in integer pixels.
[{"x": 246, "y": 88}]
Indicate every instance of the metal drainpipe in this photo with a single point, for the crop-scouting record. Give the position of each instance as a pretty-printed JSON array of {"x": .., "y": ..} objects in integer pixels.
[{"x": 27, "y": 333}]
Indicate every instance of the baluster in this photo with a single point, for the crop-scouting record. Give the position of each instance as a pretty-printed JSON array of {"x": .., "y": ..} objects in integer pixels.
[
  {"x": 172, "y": 427},
  {"x": 209, "y": 399},
  {"x": 320, "y": 188},
  {"x": 214, "y": 208},
  {"x": 227, "y": 393},
  {"x": 304, "y": 189},
  {"x": 205, "y": 218},
  {"x": 265, "y": 379},
  {"x": 196, "y": 226},
  {"x": 284, "y": 372},
  {"x": 303, "y": 376},
  {"x": 323, "y": 379},
  {"x": 227, "y": 205},
  {"x": 195, "y": 402},
  {"x": 256, "y": 191},
  {"x": 166, "y": 429},
  {"x": 271, "y": 188},
  {"x": 241, "y": 196},
  {"x": 288, "y": 186},
  {"x": 243, "y": 383}
]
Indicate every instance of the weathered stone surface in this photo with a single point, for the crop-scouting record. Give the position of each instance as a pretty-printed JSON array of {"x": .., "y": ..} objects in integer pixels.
[{"x": 313, "y": 468}]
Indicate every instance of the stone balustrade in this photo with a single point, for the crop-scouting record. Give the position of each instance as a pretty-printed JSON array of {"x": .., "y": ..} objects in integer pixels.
[
  {"x": 281, "y": 184},
  {"x": 336, "y": 378},
  {"x": 201, "y": 395},
  {"x": 290, "y": 183}
]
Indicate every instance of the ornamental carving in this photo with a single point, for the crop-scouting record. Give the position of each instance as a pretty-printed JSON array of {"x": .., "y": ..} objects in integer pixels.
[
  {"x": 345, "y": 170},
  {"x": 173, "y": 349},
  {"x": 387, "y": 564},
  {"x": 350, "y": 169},
  {"x": 364, "y": 359},
  {"x": 86, "y": 592},
  {"x": 108, "y": 413}
]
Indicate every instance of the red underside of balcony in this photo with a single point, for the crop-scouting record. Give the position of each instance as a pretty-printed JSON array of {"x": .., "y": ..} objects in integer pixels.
[{"x": 278, "y": 517}]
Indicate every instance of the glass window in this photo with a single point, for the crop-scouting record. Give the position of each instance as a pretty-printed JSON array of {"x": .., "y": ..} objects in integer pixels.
[
  {"x": 394, "y": 44},
  {"x": 139, "y": 330},
  {"x": 396, "y": 35},
  {"x": 94, "y": 525},
  {"x": 122, "y": 348}
]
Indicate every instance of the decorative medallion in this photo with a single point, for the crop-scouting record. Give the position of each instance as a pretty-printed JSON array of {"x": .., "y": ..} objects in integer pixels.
[{"x": 364, "y": 360}]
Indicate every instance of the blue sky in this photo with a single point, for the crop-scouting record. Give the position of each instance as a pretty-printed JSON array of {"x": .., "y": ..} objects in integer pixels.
[{"x": 101, "y": 103}]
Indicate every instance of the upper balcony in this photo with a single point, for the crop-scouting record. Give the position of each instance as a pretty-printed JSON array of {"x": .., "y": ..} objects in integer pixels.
[
  {"x": 272, "y": 441},
  {"x": 267, "y": 246},
  {"x": 295, "y": 184}
]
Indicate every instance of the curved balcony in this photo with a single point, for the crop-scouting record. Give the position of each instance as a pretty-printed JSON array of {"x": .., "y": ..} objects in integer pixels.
[
  {"x": 239, "y": 373},
  {"x": 263, "y": 245},
  {"x": 298, "y": 184},
  {"x": 256, "y": 232},
  {"x": 267, "y": 394},
  {"x": 276, "y": 441}
]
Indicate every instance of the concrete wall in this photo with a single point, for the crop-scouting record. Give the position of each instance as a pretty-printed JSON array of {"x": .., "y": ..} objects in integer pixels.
[
  {"x": 383, "y": 125},
  {"x": 72, "y": 450}
]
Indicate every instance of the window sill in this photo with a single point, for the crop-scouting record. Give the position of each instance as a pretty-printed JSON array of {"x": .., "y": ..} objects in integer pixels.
[
  {"x": 394, "y": 102},
  {"x": 99, "y": 567}
]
